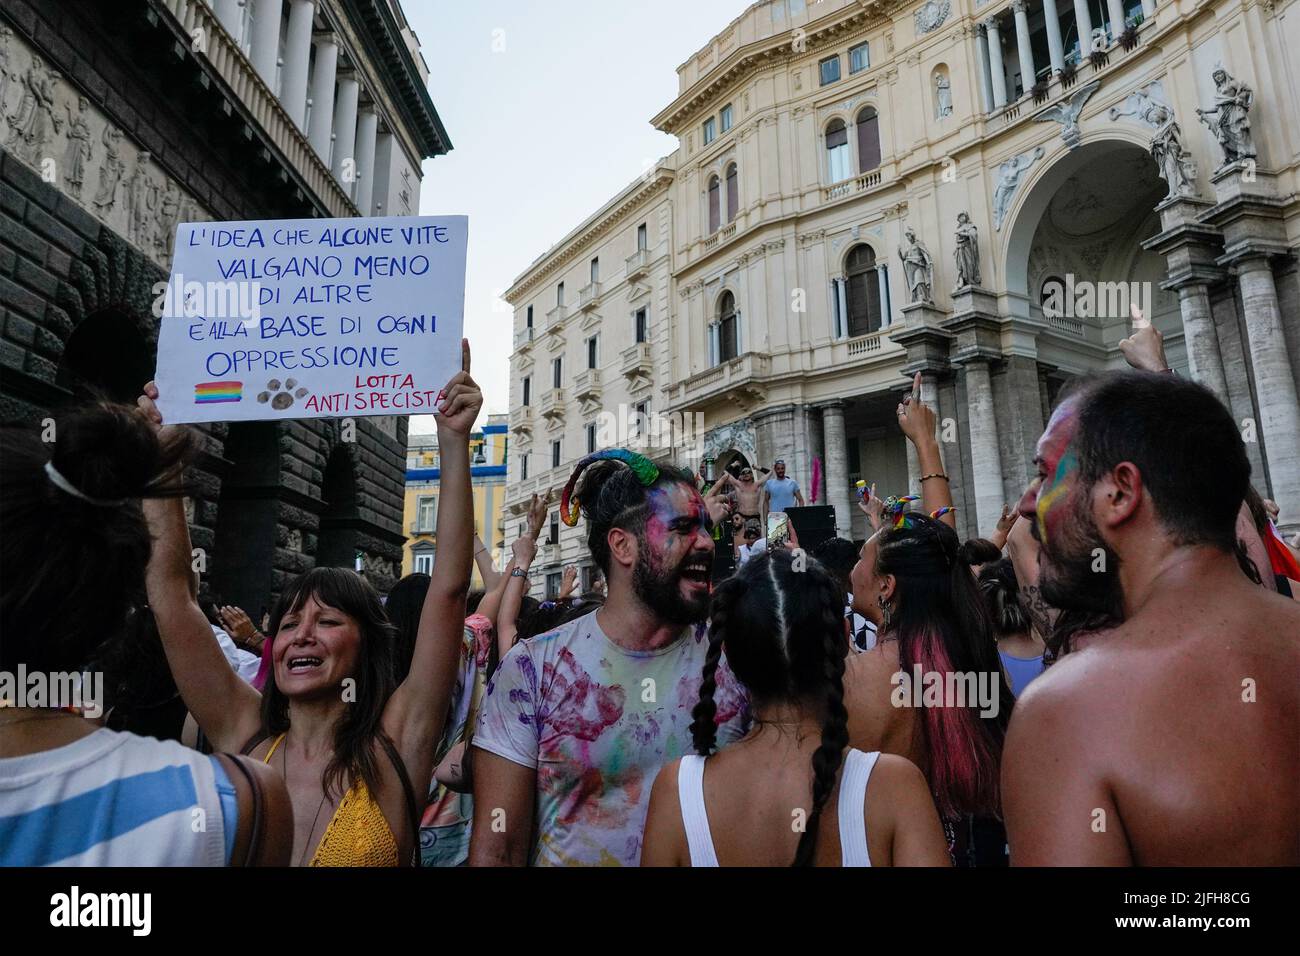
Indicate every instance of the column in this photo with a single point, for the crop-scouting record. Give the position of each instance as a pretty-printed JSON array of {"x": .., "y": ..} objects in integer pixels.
[
  {"x": 995, "y": 62},
  {"x": 841, "y": 298},
  {"x": 986, "y": 77},
  {"x": 345, "y": 132},
  {"x": 367, "y": 130},
  {"x": 1055, "y": 48},
  {"x": 1201, "y": 339},
  {"x": 1275, "y": 390},
  {"x": 1115, "y": 8},
  {"x": 1027, "y": 73},
  {"x": 231, "y": 16},
  {"x": 297, "y": 58},
  {"x": 266, "y": 39},
  {"x": 1148, "y": 9},
  {"x": 1083, "y": 18},
  {"x": 882, "y": 272},
  {"x": 322, "y": 95},
  {"x": 985, "y": 461},
  {"x": 837, "y": 467}
]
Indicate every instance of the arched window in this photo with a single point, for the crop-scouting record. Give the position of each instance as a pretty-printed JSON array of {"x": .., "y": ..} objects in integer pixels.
[
  {"x": 733, "y": 193},
  {"x": 837, "y": 151},
  {"x": 862, "y": 291},
  {"x": 728, "y": 339},
  {"x": 868, "y": 140},
  {"x": 715, "y": 205}
]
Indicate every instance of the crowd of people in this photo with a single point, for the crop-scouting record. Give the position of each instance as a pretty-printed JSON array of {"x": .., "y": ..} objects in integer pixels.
[{"x": 1112, "y": 676}]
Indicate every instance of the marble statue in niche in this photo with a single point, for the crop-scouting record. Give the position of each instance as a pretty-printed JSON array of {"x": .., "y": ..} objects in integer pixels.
[{"x": 942, "y": 95}]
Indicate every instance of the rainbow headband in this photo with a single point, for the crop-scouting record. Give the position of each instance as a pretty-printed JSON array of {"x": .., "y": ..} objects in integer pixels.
[
  {"x": 646, "y": 471},
  {"x": 896, "y": 510}
]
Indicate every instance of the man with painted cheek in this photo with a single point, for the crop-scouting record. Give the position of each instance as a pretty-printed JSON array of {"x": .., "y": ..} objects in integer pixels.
[
  {"x": 576, "y": 722},
  {"x": 1168, "y": 738}
]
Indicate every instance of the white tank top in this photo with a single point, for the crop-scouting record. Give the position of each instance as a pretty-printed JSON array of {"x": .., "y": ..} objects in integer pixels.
[{"x": 851, "y": 807}]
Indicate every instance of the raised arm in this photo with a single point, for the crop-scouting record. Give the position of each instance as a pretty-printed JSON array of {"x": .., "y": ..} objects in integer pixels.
[
  {"x": 1023, "y": 551},
  {"x": 569, "y": 583},
  {"x": 483, "y": 561},
  {"x": 415, "y": 714},
  {"x": 1008, "y": 519},
  {"x": 525, "y": 549},
  {"x": 226, "y": 708},
  {"x": 917, "y": 420}
]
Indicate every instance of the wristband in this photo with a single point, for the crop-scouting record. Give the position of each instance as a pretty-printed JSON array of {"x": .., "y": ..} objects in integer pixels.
[
  {"x": 937, "y": 474},
  {"x": 518, "y": 573}
]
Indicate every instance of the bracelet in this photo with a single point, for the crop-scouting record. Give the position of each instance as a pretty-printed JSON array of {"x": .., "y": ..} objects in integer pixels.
[
  {"x": 937, "y": 474},
  {"x": 518, "y": 573}
]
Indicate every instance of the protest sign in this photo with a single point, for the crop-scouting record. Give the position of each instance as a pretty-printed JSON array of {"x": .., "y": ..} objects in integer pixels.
[{"x": 311, "y": 318}]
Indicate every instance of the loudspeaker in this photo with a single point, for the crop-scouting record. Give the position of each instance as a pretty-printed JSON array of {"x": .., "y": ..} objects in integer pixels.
[{"x": 813, "y": 524}]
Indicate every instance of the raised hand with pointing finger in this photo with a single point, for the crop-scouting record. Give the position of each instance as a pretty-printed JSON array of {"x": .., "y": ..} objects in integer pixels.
[{"x": 1144, "y": 349}]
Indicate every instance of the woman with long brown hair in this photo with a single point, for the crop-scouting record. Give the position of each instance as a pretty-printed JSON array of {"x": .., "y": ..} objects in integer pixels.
[{"x": 346, "y": 737}]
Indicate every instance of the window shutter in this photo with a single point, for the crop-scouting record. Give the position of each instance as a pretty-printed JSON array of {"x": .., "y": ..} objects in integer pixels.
[{"x": 868, "y": 140}]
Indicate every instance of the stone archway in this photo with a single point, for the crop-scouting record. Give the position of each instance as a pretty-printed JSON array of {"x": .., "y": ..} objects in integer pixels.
[{"x": 1082, "y": 219}]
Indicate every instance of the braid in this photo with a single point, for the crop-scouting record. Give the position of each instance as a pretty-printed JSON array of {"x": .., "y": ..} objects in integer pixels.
[
  {"x": 835, "y": 728},
  {"x": 704, "y": 732}
]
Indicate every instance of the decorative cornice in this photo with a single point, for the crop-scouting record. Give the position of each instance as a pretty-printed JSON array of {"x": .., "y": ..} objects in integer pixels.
[
  {"x": 384, "y": 43},
  {"x": 770, "y": 51},
  {"x": 586, "y": 234}
]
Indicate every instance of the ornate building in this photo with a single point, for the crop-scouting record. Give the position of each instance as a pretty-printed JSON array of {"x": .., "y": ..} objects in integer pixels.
[
  {"x": 119, "y": 120},
  {"x": 866, "y": 189}
]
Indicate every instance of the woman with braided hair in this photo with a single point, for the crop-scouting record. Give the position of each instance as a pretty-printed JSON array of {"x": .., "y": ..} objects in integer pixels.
[
  {"x": 577, "y": 721},
  {"x": 780, "y": 621},
  {"x": 932, "y": 689}
]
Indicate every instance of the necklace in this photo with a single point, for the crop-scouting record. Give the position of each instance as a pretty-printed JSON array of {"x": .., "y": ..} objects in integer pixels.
[{"x": 284, "y": 772}]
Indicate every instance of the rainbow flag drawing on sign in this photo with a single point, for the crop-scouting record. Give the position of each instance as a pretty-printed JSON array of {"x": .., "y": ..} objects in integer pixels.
[{"x": 212, "y": 393}]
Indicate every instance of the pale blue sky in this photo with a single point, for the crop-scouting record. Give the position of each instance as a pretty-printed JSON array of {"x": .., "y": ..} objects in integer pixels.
[{"x": 548, "y": 105}]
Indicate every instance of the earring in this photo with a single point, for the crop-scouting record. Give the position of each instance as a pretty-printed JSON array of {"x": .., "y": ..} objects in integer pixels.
[{"x": 885, "y": 610}]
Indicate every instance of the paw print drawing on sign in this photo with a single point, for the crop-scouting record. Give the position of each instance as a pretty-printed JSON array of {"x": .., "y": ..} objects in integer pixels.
[{"x": 281, "y": 398}]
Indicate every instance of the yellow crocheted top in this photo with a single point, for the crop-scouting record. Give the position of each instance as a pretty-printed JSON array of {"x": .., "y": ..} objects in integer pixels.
[{"x": 358, "y": 833}]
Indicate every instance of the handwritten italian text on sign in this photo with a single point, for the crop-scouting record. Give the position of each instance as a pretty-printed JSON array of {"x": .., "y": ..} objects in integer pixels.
[{"x": 311, "y": 318}]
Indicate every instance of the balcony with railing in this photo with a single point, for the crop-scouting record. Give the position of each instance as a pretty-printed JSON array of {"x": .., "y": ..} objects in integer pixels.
[
  {"x": 850, "y": 187},
  {"x": 588, "y": 297},
  {"x": 720, "y": 237},
  {"x": 740, "y": 378},
  {"x": 636, "y": 360},
  {"x": 552, "y": 404},
  {"x": 523, "y": 338},
  {"x": 521, "y": 419},
  {"x": 586, "y": 385},
  {"x": 638, "y": 263},
  {"x": 555, "y": 318}
]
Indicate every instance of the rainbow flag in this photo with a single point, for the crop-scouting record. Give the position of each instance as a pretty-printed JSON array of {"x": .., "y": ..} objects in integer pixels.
[{"x": 212, "y": 393}]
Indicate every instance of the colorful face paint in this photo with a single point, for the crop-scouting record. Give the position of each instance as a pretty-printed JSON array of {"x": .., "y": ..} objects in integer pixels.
[
  {"x": 673, "y": 575},
  {"x": 1058, "y": 466}
]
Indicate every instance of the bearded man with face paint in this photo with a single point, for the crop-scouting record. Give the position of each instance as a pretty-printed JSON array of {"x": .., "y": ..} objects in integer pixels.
[
  {"x": 576, "y": 722},
  {"x": 1168, "y": 737}
]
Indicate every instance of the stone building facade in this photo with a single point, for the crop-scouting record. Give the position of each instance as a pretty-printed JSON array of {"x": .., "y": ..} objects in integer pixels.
[
  {"x": 867, "y": 189},
  {"x": 118, "y": 121}
]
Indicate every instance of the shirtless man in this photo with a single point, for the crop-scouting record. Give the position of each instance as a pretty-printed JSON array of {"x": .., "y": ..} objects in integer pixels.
[
  {"x": 748, "y": 499},
  {"x": 1169, "y": 739}
]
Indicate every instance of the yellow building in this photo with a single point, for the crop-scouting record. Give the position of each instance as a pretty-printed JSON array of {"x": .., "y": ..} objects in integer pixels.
[{"x": 488, "y": 449}]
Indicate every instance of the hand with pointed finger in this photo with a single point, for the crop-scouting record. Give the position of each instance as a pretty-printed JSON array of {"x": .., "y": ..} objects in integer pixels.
[
  {"x": 915, "y": 418},
  {"x": 460, "y": 402},
  {"x": 1144, "y": 349}
]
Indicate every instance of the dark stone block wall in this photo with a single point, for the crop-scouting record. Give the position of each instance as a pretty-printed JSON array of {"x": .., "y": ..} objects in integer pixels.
[{"x": 263, "y": 510}]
